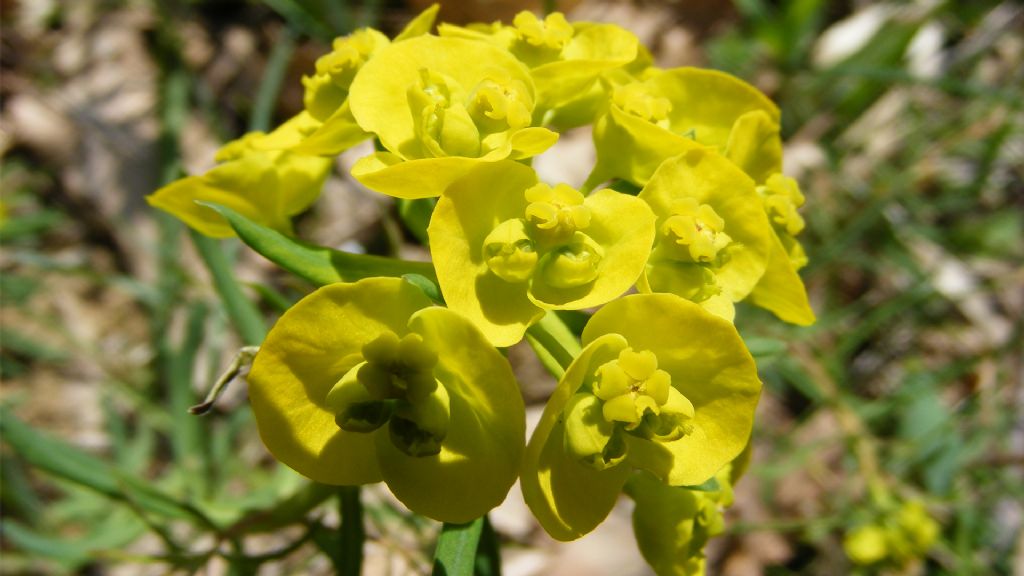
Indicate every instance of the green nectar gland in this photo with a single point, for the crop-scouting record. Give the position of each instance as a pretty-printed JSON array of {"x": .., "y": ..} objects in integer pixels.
[
  {"x": 509, "y": 251},
  {"x": 629, "y": 395},
  {"x": 576, "y": 263},
  {"x": 394, "y": 385},
  {"x": 549, "y": 240}
]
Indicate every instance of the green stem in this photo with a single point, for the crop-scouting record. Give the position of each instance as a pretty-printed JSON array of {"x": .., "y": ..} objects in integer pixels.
[
  {"x": 352, "y": 531},
  {"x": 555, "y": 344},
  {"x": 243, "y": 313},
  {"x": 456, "y": 548}
]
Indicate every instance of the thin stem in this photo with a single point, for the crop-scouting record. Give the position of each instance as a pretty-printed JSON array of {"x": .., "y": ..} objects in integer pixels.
[
  {"x": 352, "y": 531},
  {"x": 864, "y": 447},
  {"x": 555, "y": 344}
]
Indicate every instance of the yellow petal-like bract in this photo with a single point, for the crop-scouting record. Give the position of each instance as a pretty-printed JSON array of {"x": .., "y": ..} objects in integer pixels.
[
  {"x": 265, "y": 186},
  {"x": 364, "y": 382},
  {"x": 690, "y": 387},
  {"x": 439, "y": 112},
  {"x": 505, "y": 256}
]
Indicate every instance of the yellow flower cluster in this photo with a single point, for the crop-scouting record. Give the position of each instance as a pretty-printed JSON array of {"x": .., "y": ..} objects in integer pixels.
[{"x": 374, "y": 381}]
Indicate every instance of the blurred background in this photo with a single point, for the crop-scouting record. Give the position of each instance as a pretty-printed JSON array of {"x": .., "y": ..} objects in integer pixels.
[{"x": 904, "y": 126}]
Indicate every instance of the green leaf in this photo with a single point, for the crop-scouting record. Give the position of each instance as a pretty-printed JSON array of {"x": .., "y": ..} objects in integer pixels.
[
  {"x": 425, "y": 284},
  {"x": 66, "y": 461},
  {"x": 317, "y": 264},
  {"x": 243, "y": 313},
  {"x": 113, "y": 531},
  {"x": 415, "y": 214},
  {"x": 456, "y": 548},
  {"x": 763, "y": 348},
  {"x": 17, "y": 343}
]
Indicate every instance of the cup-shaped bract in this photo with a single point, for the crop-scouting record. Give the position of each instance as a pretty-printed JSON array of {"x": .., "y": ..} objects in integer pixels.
[
  {"x": 661, "y": 385},
  {"x": 364, "y": 382},
  {"x": 714, "y": 240},
  {"x": 440, "y": 107},
  {"x": 565, "y": 59},
  {"x": 781, "y": 290},
  {"x": 665, "y": 113},
  {"x": 506, "y": 248},
  {"x": 651, "y": 120},
  {"x": 330, "y": 128},
  {"x": 266, "y": 186},
  {"x": 673, "y": 524}
]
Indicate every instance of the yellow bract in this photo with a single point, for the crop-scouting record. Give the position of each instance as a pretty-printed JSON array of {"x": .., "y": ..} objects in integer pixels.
[
  {"x": 661, "y": 386},
  {"x": 364, "y": 382},
  {"x": 266, "y": 186},
  {"x": 714, "y": 238},
  {"x": 505, "y": 256},
  {"x": 439, "y": 113}
]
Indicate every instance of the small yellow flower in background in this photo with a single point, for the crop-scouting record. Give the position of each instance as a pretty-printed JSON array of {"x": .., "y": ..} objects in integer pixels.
[
  {"x": 507, "y": 248},
  {"x": 364, "y": 382},
  {"x": 266, "y": 186},
  {"x": 661, "y": 386},
  {"x": 866, "y": 544},
  {"x": 898, "y": 537}
]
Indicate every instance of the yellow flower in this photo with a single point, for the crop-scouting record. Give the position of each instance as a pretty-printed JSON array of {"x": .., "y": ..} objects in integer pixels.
[
  {"x": 265, "y": 186},
  {"x": 507, "y": 248},
  {"x": 440, "y": 113},
  {"x": 661, "y": 386},
  {"x": 364, "y": 382}
]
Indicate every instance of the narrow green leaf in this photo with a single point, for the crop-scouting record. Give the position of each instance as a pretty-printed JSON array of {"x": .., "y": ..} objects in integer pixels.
[
  {"x": 270, "y": 84},
  {"x": 66, "y": 461},
  {"x": 415, "y": 214},
  {"x": 112, "y": 531},
  {"x": 16, "y": 342},
  {"x": 316, "y": 264},
  {"x": 300, "y": 18},
  {"x": 761, "y": 348},
  {"x": 456, "y": 548},
  {"x": 243, "y": 313},
  {"x": 428, "y": 287},
  {"x": 488, "y": 552},
  {"x": 25, "y": 539},
  {"x": 17, "y": 495}
]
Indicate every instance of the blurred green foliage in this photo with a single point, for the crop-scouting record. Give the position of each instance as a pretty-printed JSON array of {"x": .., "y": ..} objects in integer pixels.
[{"x": 915, "y": 186}]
